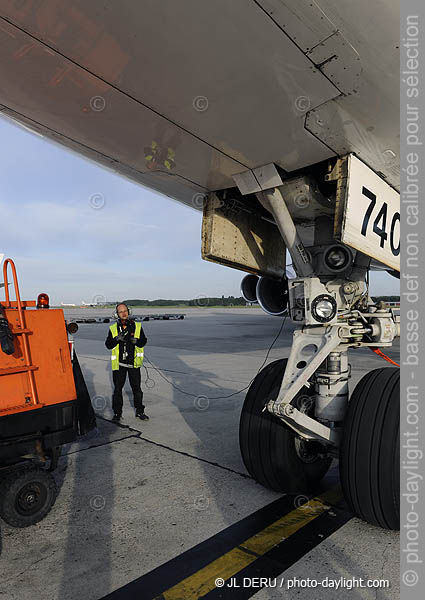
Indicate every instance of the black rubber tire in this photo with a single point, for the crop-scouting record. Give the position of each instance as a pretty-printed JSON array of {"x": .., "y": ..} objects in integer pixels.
[
  {"x": 268, "y": 446},
  {"x": 370, "y": 449},
  {"x": 16, "y": 491}
]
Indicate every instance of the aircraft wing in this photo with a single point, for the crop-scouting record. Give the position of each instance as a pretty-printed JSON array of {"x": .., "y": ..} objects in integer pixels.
[{"x": 181, "y": 96}]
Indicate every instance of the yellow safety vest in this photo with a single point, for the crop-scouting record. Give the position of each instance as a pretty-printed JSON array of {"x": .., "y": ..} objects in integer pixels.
[{"x": 138, "y": 352}]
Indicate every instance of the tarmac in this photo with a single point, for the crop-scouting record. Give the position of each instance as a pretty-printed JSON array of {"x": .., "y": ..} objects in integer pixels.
[{"x": 160, "y": 509}]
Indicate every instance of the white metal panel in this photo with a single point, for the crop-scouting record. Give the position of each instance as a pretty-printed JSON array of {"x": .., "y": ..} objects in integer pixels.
[
  {"x": 339, "y": 61},
  {"x": 371, "y": 220},
  {"x": 223, "y": 71},
  {"x": 314, "y": 32},
  {"x": 232, "y": 80},
  {"x": 304, "y": 22},
  {"x": 246, "y": 182},
  {"x": 366, "y": 122},
  {"x": 263, "y": 178},
  {"x": 356, "y": 45},
  {"x": 371, "y": 131},
  {"x": 73, "y": 107}
]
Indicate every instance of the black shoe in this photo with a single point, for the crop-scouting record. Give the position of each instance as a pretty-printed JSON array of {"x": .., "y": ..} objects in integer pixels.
[
  {"x": 142, "y": 416},
  {"x": 116, "y": 418}
]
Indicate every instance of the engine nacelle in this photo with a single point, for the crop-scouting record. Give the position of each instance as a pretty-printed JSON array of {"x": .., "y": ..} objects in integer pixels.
[
  {"x": 272, "y": 296},
  {"x": 249, "y": 288}
]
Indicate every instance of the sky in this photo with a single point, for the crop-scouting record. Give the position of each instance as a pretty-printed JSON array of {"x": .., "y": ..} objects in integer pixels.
[{"x": 82, "y": 233}]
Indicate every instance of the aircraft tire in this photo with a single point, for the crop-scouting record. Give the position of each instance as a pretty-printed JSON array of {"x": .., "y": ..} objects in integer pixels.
[
  {"x": 370, "y": 449},
  {"x": 272, "y": 452},
  {"x": 26, "y": 496}
]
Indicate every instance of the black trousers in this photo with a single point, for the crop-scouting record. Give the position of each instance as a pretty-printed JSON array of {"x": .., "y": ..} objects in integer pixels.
[{"x": 119, "y": 377}]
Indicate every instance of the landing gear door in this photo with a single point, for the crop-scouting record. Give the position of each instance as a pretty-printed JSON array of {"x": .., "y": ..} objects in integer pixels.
[
  {"x": 239, "y": 239},
  {"x": 367, "y": 215}
]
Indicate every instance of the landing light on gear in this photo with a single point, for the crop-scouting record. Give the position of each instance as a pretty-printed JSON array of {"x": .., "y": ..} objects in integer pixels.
[{"x": 324, "y": 308}]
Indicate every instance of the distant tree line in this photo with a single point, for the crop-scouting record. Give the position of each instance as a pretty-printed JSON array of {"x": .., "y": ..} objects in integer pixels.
[
  {"x": 216, "y": 301},
  {"x": 386, "y": 298},
  {"x": 200, "y": 301},
  {"x": 159, "y": 302},
  {"x": 229, "y": 301}
]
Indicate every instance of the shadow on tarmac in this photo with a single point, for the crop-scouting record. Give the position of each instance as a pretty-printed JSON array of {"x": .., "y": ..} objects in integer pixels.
[{"x": 89, "y": 517}]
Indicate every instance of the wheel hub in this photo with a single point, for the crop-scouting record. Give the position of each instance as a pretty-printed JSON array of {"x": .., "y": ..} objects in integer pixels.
[
  {"x": 305, "y": 451},
  {"x": 30, "y": 498}
]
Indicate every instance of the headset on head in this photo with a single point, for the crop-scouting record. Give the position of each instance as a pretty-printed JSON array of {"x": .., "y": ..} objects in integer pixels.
[{"x": 116, "y": 315}]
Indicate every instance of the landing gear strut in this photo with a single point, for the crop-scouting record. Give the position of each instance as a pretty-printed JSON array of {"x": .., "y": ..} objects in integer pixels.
[{"x": 297, "y": 416}]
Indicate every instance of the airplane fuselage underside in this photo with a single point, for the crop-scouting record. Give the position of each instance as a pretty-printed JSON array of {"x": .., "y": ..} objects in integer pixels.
[{"x": 180, "y": 97}]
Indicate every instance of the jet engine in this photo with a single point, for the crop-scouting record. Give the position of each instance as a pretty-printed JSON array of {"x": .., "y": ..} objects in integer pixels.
[
  {"x": 271, "y": 294},
  {"x": 249, "y": 287}
]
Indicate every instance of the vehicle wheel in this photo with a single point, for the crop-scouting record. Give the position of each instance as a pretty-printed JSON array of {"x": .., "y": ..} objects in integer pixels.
[
  {"x": 370, "y": 449},
  {"x": 272, "y": 452},
  {"x": 26, "y": 496}
]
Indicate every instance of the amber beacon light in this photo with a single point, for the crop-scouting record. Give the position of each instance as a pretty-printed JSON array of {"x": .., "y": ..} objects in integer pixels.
[{"x": 43, "y": 301}]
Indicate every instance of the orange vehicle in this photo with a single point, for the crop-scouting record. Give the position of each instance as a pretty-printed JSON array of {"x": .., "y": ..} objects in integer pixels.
[{"x": 44, "y": 402}]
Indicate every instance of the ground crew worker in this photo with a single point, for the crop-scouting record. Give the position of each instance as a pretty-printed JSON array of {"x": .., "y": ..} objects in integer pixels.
[{"x": 126, "y": 339}]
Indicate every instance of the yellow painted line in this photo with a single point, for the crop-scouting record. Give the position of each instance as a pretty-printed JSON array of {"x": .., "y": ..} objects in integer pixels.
[
  {"x": 202, "y": 582},
  {"x": 283, "y": 528},
  {"x": 228, "y": 565},
  {"x": 332, "y": 496}
]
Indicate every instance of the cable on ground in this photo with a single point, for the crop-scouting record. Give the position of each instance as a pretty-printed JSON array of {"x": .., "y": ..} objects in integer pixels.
[{"x": 215, "y": 397}]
